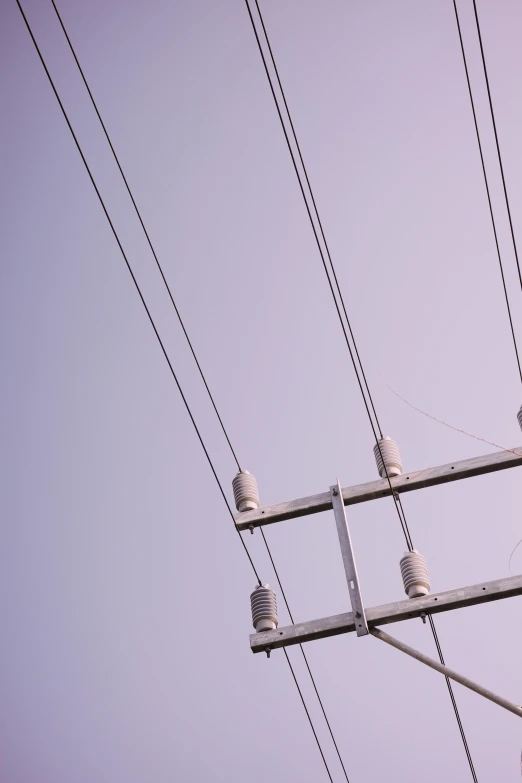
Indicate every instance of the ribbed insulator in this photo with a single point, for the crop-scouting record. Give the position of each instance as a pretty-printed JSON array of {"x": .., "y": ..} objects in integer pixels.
[
  {"x": 519, "y": 417},
  {"x": 264, "y": 608},
  {"x": 246, "y": 496},
  {"x": 415, "y": 575},
  {"x": 390, "y": 455}
]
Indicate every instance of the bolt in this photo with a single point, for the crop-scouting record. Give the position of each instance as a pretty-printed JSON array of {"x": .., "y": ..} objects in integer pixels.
[
  {"x": 267, "y": 650},
  {"x": 357, "y": 614},
  {"x": 335, "y": 492},
  {"x": 251, "y": 528},
  {"x": 423, "y": 617}
]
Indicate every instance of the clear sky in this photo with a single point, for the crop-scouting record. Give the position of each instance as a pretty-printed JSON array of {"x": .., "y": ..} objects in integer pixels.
[{"x": 124, "y": 592}]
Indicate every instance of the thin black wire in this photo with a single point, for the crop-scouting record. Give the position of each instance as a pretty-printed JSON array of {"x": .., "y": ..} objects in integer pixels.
[
  {"x": 317, "y": 214},
  {"x": 304, "y": 656},
  {"x": 176, "y": 379},
  {"x": 308, "y": 210},
  {"x": 135, "y": 283},
  {"x": 145, "y": 231},
  {"x": 452, "y": 697},
  {"x": 307, "y": 714},
  {"x": 497, "y": 142},
  {"x": 402, "y": 522},
  {"x": 487, "y": 187},
  {"x": 190, "y": 344},
  {"x": 396, "y": 497}
]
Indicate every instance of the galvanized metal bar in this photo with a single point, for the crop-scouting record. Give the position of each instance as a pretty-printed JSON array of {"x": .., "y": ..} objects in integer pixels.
[
  {"x": 388, "y": 613},
  {"x": 451, "y": 673},
  {"x": 430, "y": 477},
  {"x": 350, "y": 568}
]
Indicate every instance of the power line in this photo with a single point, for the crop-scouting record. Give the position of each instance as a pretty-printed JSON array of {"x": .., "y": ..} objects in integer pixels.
[
  {"x": 305, "y": 658},
  {"x": 307, "y": 714},
  {"x": 453, "y": 701},
  {"x": 167, "y": 357},
  {"x": 317, "y": 215},
  {"x": 497, "y": 141},
  {"x": 487, "y": 188},
  {"x": 138, "y": 213},
  {"x": 136, "y": 284},
  {"x": 402, "y": 519},
  {"x": 396, "y": 497}
]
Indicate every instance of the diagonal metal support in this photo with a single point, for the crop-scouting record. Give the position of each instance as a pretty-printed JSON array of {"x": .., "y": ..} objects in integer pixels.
[
  {"x": 453, "y": 675},
  {"x": 352, "y": 578}
]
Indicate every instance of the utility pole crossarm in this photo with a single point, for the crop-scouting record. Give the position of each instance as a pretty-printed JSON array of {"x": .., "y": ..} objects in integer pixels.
[
  {"x": 430, "y": 477},
  {"x": 388, "y": 613}
]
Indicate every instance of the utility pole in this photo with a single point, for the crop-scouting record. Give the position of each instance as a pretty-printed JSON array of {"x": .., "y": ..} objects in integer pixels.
[{"x": 363, "y": 620}]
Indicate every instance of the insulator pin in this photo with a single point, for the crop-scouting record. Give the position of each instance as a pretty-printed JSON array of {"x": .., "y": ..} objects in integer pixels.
[
  {"x": 415, "y": 574},
  {"x": 519, "y": 417},
  {"x": 387, "y": 457},
  {"x": 264, "y": 609},
  {"x": 246, "y": 495}
]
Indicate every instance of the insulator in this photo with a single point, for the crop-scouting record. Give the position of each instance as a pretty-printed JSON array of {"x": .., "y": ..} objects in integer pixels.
[
  {"x": 519, "y": 417},
  {"x": 246, "y": 495},
  {"x": 390, "y": 454},
  {"x": 264, "y": 608},
  {"x": 415, "y": 574}
]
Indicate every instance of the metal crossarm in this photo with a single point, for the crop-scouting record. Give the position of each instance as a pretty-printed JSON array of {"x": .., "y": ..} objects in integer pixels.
[{"x": 408, "y": 482}]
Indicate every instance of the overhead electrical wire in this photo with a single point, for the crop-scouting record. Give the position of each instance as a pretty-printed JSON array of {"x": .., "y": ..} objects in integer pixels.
[
  {"x": 396, "y": 497},
  {"x": 375, "y": 426},
  {"x": 483, "y": 165},
  {"x": 138, "y": 213},
  {"x": 497, "y": 141},
  {"x": 136, "y": 284},
  {"x": 166, "y": 354},
  {"x": 306, "y": 661},
  {"x": 318, "y": 218}
]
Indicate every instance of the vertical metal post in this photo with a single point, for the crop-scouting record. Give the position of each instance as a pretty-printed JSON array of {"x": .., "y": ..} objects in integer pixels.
[{"x": 361, "y": 626}]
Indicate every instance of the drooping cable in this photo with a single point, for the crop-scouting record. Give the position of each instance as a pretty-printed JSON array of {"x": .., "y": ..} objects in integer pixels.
[
  {"x": 138, "y": 213},
  {"x": 169, "y": 363},
  {"x": 487, "y": 189},
  {"x": 497, "y": 141},
  {"x": 396, "y": 497}
]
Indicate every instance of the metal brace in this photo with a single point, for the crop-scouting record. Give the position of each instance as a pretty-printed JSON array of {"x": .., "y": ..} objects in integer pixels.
[{"x": 354, "y": 589}]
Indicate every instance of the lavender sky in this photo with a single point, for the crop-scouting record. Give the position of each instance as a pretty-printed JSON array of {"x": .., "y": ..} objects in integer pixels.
[{"x": 124, "y": 592}]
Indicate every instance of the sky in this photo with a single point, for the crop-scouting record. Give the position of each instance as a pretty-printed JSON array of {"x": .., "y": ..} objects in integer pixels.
[{"x": 124, "y": 591}]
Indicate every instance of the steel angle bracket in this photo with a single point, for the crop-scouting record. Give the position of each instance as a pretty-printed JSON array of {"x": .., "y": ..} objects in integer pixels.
[{"x": 352, "y": 578}]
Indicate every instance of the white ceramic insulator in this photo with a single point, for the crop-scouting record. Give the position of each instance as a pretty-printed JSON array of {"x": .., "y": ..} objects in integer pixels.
[
  {"x": 519, "y": 417},
  {"x": 264, "y": 609},
  {"x": 388, "y": 451},
  {"x": 246, "y": 495},
  {"x": 415, "y": 574}
]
